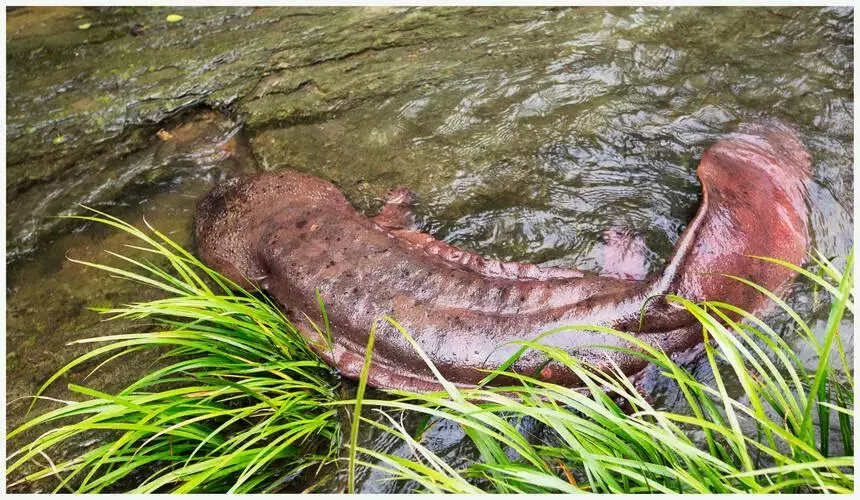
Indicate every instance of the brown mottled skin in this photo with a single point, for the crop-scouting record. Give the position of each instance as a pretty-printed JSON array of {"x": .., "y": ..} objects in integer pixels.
[{"x": 291, "y": 234}]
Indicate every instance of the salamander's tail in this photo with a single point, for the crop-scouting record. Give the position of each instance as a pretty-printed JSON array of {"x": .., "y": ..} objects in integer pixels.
[{"x": 782, "y": 142}]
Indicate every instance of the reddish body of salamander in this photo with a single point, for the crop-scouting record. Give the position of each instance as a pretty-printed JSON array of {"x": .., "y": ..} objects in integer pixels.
[{"x": 291, "y": 234}]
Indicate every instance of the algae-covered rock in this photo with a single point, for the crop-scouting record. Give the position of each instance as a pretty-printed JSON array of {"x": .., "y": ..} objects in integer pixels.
[
  {"x": 77, "y": 94},
  {"x": 491, "y": 79}
]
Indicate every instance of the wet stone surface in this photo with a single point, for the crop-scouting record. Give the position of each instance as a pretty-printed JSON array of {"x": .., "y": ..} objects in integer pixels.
[{"x": 525, "y": 133}]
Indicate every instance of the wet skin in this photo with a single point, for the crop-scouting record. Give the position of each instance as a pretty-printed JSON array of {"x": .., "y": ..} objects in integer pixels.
[{"x": 291, "y": 234}]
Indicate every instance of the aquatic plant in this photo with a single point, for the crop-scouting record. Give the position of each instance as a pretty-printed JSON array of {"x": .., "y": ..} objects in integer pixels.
[
  {"x": 242, "y": 405},
  {"x": 773, "y": 437}
]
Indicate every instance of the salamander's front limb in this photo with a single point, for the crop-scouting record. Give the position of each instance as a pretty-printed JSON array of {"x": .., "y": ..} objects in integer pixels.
[{"x": 397, "y": 212}]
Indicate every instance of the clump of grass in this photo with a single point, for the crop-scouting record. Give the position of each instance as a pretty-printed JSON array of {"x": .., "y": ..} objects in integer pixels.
[
  {"x": 609, "y": 438},
  {"x": 242, "y": 405}
]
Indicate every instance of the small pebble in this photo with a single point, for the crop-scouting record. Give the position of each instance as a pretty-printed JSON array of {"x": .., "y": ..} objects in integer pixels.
[{"x": 164, "y": 135}]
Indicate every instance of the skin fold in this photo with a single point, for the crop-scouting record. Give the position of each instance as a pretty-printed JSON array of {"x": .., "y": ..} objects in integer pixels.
[{"x": 291, "y": 234}]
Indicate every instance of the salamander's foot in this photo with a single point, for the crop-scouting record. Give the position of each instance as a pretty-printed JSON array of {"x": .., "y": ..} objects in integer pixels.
[
  {"x": 397, "y": 212},
  {"x": 401, "y": 196},
  {"x": 624, "y": 254}
]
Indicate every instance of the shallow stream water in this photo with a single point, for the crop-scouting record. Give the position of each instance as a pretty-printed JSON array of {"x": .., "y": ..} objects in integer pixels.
[{"x": 525, "y": 133}]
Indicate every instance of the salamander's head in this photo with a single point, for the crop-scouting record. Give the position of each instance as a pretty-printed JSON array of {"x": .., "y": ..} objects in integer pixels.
[
  {"x": 231, "y": 219},
  {"x": 220, "y": 227}
]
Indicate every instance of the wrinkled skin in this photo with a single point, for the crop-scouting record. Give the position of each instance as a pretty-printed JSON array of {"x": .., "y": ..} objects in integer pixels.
[{"x": 291, "y": 234}]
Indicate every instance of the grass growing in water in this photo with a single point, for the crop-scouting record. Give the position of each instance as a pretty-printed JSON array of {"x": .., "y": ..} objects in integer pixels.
[
  {"x": 244, "y": 405},
  {"x": 773, "y": 438}
]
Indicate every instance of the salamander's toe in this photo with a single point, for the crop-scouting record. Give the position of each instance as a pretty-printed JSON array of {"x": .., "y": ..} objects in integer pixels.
[
  {"x": 401, "y": 196},
  {"x": 624, "y": 254}
]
